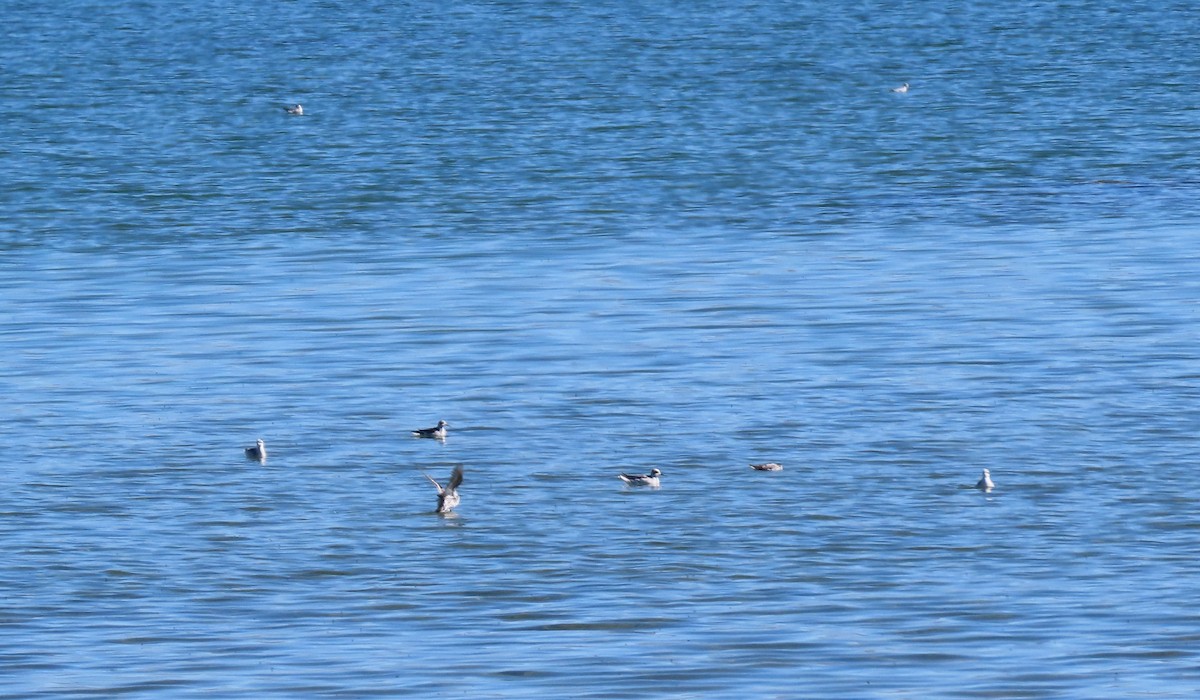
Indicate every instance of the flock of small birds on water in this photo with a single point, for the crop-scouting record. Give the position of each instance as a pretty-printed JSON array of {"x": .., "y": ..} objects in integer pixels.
[{"x": 448, "y": 498}]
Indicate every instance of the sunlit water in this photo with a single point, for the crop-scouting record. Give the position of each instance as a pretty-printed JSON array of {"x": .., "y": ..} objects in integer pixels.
[{"x": 599, "y": 238}]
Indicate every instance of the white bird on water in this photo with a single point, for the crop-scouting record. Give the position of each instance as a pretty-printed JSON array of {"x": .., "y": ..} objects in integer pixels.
[
  {"x": 448, "y": 497},
  {"x": 768, "y": 467},
  {"x": 258, "y": 452},
  {"x": 296, "y": 109},
  {"x": 438, "y": 431},
  {"x": 902, "y": 89},
  {"x": 985, "y": 483},
  {"x": 650, "y": 479}
]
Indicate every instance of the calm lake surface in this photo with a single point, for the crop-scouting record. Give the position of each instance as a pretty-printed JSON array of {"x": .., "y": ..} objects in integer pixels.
[{"x": 595, "y": 238}]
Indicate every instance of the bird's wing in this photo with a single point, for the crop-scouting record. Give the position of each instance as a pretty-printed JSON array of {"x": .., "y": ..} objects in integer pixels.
[
  {"x": 436, "y": 485},
  {"x": 456, "y": 478}
]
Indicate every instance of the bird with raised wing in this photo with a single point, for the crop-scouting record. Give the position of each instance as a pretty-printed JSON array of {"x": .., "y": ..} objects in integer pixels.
[{"x": 448, "y": 497}]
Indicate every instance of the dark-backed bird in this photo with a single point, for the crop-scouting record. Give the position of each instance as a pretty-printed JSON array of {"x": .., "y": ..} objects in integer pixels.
[
  {"x": 259, "y": 451},
  {"x": 438, "y": 431}
]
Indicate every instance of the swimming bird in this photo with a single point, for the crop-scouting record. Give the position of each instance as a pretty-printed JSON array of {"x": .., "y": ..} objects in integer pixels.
[
  {"x": 768, "y": 467},
  {"x": 438, "y": 432},
  {"x": 259, "y": 451},
  {"x": 985, "y": 483},
  {"x": 448, "y": 497},
  {"x": 903, "y": 88},
  {"x": 297, "y": 109},
  {"x": 650, "y": 479}
]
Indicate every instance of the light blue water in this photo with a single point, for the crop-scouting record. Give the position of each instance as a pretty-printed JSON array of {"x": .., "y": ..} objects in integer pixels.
[{"x": 597, "y": 238}]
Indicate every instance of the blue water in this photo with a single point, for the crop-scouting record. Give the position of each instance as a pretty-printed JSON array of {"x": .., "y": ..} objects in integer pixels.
[{"x": 599, "y": 237}]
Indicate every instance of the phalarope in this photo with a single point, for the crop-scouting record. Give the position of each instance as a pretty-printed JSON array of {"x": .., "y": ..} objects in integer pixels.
[
  {"x": 258, "y": 452},
  {"x": 768, "y": 467},
  {"x": 903, "y": 88},
  {"x": 448, "y": 497},
  {"x": 985, "y": 483},
  {"x": 297, "y": 109},
  {"x": 650, "y": 479},
  {"x": 436, "y": 432}
]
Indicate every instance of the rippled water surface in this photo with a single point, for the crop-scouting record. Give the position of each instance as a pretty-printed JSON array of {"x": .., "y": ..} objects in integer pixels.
[{"x": 595, "y": 238}]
